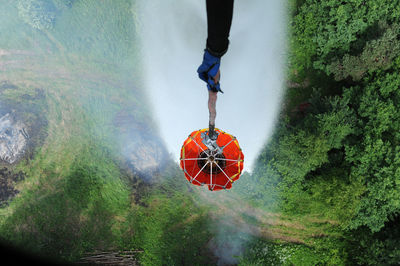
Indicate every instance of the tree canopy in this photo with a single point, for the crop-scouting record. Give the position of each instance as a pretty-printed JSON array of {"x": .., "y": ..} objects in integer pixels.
[{"x": 339, "y": 158}]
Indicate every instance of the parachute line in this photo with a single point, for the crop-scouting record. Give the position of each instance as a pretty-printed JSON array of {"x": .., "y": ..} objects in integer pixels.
[
  {"x": 194, "y": 159},
  {"x": 211, "y": 176},
  {"x": 224, "y": 173},
  {"x": 228, "y": 160},
  {"x": 228, "y": 143},
  {"x": 194, "y": 178},
  {"x": 198, "y": 145}
]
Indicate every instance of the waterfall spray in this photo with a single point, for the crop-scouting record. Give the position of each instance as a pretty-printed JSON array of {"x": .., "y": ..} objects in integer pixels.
[{"x": 173, "y": 37}]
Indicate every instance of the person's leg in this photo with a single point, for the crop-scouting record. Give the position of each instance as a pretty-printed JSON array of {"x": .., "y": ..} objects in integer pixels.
[{"x": 212, "y": 100}]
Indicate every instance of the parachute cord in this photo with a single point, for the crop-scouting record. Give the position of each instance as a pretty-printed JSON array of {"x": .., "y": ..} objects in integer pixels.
[
  {"x": 191, "y": 178},
  {"x": 194, "y": 178},
  {"x": 226, "y": 184},
  {"x": 233, "y": 139},
  {"x": 211, "y": 167},
  {"x": 193, "y": 159},
  {"x": 224, "y": 173},
  {"x": 200, "y": 147},
  {"x": 228, "y": 160}
]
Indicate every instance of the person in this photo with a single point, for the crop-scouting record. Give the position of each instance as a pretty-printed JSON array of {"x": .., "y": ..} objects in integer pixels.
[{"x": 219, "y": 20}]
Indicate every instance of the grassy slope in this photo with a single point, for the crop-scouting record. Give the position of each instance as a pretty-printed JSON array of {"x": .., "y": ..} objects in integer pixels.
[
  {"x": 75, "y": 197},
  {"x": 73, "y": 194}
]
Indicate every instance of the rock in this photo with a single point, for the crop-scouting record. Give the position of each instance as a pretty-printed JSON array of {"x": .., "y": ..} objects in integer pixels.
[
  {"x": 13, "y": 139},
  {"x": 145, "y": 155},
  {"x": 142, "y": 148},
  {"x": 23, "y": 127}
]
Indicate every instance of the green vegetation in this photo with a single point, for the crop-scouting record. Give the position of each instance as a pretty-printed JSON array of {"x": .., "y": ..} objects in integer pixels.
[
  {"x": 325, "y": 252},
  {"x": 335, "y": 154},
  {"x": 90, "y": 208},
  {"x": 38, "y": 14},
  {"x": 67, "y": 214},
  {"x": 171, "y": 230},
  {"x": 325, "y": 190}
]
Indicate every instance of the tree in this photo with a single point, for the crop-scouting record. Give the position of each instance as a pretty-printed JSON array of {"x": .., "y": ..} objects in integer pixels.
[
  {"x": 377, "y": 54},
  {"x": 323, "y": 32},
  {"x": 374, "y": 154}
]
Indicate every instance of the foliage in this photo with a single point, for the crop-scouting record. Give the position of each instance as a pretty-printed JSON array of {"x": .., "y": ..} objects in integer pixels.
[
  {"x": 376, "y": 54},
  {"x": 344, "y": 142},
  {"x": 66, "y": 215},
  {"x": 323, "y": 32},
  {"x": 347, "y": 141},
  {"x": 39, "y": 14},
  {"x": 260, "y": 188},
  {"x": 380, "y": 248},
  {"x": 374, "y": 153},
  {"x": 87, "y": 28},
  {"x": 301, "y": 150},
  {"x": 169, "y": 230},
  {"x": 339, "y": 158},
  {"x": 326, "y": 252}
]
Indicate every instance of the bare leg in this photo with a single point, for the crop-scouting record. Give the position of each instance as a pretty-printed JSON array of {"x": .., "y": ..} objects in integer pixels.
[{"x": 212, "y": 100}]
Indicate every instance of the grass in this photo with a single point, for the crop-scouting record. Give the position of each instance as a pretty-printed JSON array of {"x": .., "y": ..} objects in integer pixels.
[
  {"x": 75, "y": 197},
  {"x": 69, "y": 213},
  {"x": 84, "y": 90}
]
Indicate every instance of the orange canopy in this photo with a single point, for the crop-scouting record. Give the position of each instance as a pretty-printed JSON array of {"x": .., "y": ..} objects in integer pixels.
[{"x": 216, "y": 166}]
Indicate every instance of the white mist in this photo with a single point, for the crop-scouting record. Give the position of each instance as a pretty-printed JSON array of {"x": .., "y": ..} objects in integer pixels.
[{"x": 173, "y": 35}]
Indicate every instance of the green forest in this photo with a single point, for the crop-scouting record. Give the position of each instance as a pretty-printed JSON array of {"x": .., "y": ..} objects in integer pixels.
[
  {"x": 335, "y": 154},
  {"x": 325, "y": 189}
]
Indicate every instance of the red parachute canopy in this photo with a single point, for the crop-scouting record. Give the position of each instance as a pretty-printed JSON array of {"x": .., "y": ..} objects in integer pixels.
[{"x": 217, "y": 164}]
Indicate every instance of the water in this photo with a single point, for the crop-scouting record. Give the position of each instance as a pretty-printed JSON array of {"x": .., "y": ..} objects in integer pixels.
[{"x": 173, "y": 36}]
